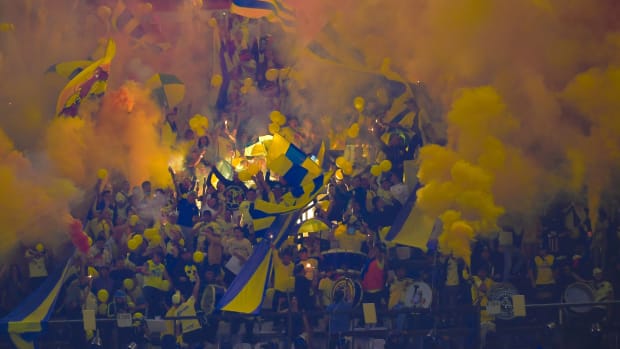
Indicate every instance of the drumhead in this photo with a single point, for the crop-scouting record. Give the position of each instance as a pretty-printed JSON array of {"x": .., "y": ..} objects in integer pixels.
[
  {"x": 352, "y": 290},
  {"x": 579, "y": 293},
  {"x": 419, "y": 295},
  {"x": 502, "y": 293}
]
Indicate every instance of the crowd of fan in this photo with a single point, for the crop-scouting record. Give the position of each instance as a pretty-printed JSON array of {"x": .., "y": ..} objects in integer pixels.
[{"x": 162, "y": 252}]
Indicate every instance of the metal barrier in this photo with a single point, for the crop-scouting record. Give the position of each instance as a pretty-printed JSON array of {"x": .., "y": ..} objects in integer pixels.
[{"x": 436, "y": 328}]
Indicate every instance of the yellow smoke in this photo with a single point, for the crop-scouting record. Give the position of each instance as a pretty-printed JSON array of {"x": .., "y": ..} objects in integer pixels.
[
  {"x": 123, "y": 135},
  {"x": 34, "y": 206}
]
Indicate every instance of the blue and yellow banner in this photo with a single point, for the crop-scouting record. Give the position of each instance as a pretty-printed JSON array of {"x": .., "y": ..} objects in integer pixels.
[{"x": 26, "y": 322}]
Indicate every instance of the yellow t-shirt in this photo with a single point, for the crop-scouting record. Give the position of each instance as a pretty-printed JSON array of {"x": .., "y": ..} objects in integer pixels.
[
  {"x": 326, "y": 286},
  {"x": 398, "y": 291},
  {"x": 155, "y": 276},
  {"x": 188, "y": 309},
  {"x": 544, "y": 273},
  {"x": 349, "y": 242},
  {"x": 283, "y": 279}
]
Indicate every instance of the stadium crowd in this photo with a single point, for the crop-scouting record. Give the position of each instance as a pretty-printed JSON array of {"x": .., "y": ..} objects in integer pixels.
[{"x": 171, "y": 252}]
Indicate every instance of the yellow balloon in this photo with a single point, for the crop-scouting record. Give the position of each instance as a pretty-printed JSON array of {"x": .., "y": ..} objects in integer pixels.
[
  {"x": 199, "y": 257},
  {"x": 341, "y": 162},
  {"x": 128, "y": 284},
  {"x": 217, "y": 80},
  {"x": 339, "y": 175},
  {"x": 199, "y": 124},
  {"x": 102, "y": 309},
  {"x": 385, "y": 165},
  {"x": 133, "y": 220},
  {"x": 359, "y": 104},
  {"x": 39, "y": 247},
  {"x": 212, "y": 22},
  {"x": 353, "y": 131},
  {"x": 150, "y": 233},
  {"x": 103, "y": 296},
  {"x": 274, "y": 116},
  {"x": 156, "y": 240},
  {"x": 102, "y": 173},
  {"x": 375, "y": 170},
  {"x": 132, "y": 244},
  {"x": 139, "y": 239},
  {"x": 271, "y": 74},
  {"x": 274, "y": 128},
  {"x": 247, "y": 82}
]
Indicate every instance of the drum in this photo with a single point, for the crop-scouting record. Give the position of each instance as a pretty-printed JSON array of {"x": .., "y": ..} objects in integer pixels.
[
  {"x": 352, "y": 290},
  {"x": 343, "y": 260},
  {"x": 419, "y": 295},
  {"x": 579, "y": 292},
  {"x": 502, "y": 293},
  {"x": 216, "y": 293}
]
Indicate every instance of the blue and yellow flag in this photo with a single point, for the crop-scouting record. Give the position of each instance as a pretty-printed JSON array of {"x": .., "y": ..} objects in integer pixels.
[
  {"x": 411, "y": 227},
  {"x": 91, "y": 81},
  {"x": 246, "y": 293},
  {"x": 273, "y": 10},
  {"x": 272, "y": 222},
  {"x": 29, "y": 319}
]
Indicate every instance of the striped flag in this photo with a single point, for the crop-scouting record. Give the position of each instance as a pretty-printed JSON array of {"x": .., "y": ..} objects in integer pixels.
[
  {"x": 26, "y": 322},
  {"x": 273, "y": 10},
  {"x": 91, "y": 81}
]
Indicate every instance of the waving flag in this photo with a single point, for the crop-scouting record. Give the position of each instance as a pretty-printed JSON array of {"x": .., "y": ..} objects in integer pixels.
[
  {"x": 246, "y": 292},
  {"x": 274, "y": 10},
  {"x": 272, "y": 222},
  {"x": 30, "y": 318},
  {"x": 69, "y": 70},
  {"x": 91, "y": 81}
]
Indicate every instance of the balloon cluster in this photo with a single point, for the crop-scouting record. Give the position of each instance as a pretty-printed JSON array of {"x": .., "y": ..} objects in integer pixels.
[
  {"x": 353, "y": 131},
  {"x": 248, "y": 86},
  {"x": 103, "y": 297},
  {"x": 382, "y": 167},
  {"x": 277, "y": 121},
  {"x": 344, "y": 165},
  {"x": 199, "y": 124},
  {"x": 135, "y": 242}
]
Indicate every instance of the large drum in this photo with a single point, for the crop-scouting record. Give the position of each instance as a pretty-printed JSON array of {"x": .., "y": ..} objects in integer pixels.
[
  {"x": 502, "y": 293},
  {"x": 351, "y": 288},
  {"x": 419, "y": 295},
  {"x": 579, "y": 292},
  {"x": 341, "y": 260},
  {"x": 215, "y": 294}
]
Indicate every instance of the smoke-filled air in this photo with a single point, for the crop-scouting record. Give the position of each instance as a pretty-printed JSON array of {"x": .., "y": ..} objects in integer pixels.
[{"x": 525, "y": 101}]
